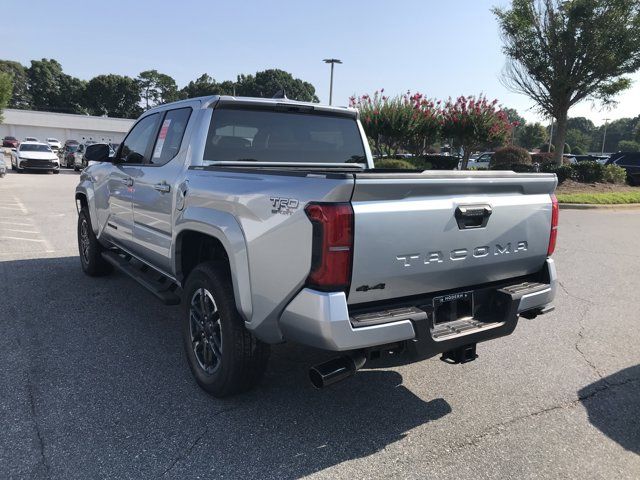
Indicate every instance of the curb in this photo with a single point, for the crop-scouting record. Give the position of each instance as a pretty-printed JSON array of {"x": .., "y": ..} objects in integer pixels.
[{"x": 593, "y": 206}]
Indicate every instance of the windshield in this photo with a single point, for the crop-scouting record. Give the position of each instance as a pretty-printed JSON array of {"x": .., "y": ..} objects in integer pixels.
[
  {"x": 273, "y": 136},
  {"x": 72, "y": 148},
  {"x": 34, "y": 148}
]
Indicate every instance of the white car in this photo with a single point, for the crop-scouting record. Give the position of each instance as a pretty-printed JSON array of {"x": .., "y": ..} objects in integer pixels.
[
  {"x": 54, "y": 143},
  {"x": 34, "y": 156}
]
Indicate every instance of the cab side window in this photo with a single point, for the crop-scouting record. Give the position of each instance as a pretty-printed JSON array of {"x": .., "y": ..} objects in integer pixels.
[
  {"x": 137, "y": 146},
  {"x": 170, "y": 135}
]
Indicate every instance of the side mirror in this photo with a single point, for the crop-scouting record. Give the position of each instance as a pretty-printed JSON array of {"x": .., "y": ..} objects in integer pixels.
[{"x": 98, "y": 152}]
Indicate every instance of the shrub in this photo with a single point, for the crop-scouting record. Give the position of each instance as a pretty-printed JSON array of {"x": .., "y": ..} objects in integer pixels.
[
  {"x": 577, "y": 150},
  {"x": 542, "y": 158},
  {"x": 588, "y": 172},
  {"x": 544, "y": 148},
  {"x": 510, "y": 155},
  {"x": 393, "y": 163},
  {"x": 628, "y": 146},
  {"x": 563, "y": 172},
  {"x": 436, "y": 162},
  {"x": 614, "y": 174},
  {"x": 516, "y": 167}
]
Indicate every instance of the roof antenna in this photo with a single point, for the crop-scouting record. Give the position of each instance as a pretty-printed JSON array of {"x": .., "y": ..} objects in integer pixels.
[{"x": 281, "y": 94}]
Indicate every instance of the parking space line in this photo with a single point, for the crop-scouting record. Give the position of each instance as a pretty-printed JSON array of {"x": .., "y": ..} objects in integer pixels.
[
  {"x": 18, "y": 231},
  {"x": 17, "y": 223},
  {"x": 25, "y": 239}
]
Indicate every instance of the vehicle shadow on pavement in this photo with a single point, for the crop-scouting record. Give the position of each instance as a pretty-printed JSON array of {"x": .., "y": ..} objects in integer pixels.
[
  {"x": 616, "y": 413},
  {"x": 111, "y": 394}
]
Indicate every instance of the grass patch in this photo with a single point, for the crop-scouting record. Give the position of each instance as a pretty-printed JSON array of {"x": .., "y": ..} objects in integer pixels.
[{"x": 608, "y": 198}]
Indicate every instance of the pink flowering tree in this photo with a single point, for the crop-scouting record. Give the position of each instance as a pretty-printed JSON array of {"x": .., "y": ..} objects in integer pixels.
[
  {"x": 410, "y": 122},
  {"x": 473, "y": 122}
]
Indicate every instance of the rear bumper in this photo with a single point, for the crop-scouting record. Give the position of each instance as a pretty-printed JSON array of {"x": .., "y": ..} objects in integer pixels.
[{"x": 322, "y": 320}]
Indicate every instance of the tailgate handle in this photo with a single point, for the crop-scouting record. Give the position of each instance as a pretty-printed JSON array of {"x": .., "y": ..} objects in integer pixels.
[{"x": 473, "y": 216}]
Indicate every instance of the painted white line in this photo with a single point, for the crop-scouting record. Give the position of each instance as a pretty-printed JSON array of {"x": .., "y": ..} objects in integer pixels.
[
  {"x": 17, "y": 209},
  {"x": 25, "y": 239},
  {"x": 21, "y": 205},
  {"x": 19, "y": 231},
  {"x": 17, "y": 223}
]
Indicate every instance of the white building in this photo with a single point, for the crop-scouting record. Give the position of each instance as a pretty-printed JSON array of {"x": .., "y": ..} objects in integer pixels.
[{"x": 63, "y": 126}]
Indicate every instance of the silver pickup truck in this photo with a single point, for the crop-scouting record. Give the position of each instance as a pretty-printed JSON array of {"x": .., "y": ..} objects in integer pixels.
[{"x": 267, "y": 220}]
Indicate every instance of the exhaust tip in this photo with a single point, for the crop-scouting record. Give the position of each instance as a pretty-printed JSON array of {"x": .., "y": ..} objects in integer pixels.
[{"x": 336, "y": 370}]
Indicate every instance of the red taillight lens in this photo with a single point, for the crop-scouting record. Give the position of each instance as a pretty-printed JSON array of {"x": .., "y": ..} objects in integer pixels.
[
  {"x": 332, "y": 245},
  {"x": 555, "y": 211}
]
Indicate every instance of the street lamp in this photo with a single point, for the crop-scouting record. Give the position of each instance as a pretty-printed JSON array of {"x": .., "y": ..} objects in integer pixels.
[
  {"x": 332, "y": 61},
  {"x": 604, "y": 136}
]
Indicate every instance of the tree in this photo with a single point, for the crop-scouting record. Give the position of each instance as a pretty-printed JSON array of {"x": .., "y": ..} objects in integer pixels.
[
  {"x": 472, "y": 122},
  {"x": 577, "y": 140},
  {"x": 408, "y": 122},
  {"x": 113, "y": 95},
  {"x": 268, "y": 82},
  {"x": 205, "y": 85},
  {"x": 617, "y": 130},
  {"x": 531, "y": 135},
  {"x": 21, "y": 98},
  {"x": 53, "y": 90},
  {"x": 562, "y": 52},
  {"x": 6, "y": 89},
  {"x": 582, "y": 124},
  {"x": 628, "y": 146},
  {"x": 157, "y": 88}
]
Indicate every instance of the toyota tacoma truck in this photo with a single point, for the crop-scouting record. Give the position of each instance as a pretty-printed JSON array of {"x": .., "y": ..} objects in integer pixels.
[{"x": 267, "y": 220}]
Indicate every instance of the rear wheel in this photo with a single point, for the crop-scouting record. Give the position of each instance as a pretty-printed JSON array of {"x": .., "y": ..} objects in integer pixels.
[
  {"x": 224, "y": 357},
  {"x": 89, "y": 248}
]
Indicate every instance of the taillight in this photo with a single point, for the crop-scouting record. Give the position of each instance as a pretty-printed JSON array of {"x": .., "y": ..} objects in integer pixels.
[
  {"x": 332, "y": 245},
  {"x": 554, "y": 225}
]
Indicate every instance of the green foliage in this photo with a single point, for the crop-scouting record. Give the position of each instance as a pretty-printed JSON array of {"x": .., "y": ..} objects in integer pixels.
[
  {"x": 588, "y": 172},
  {"x": 113, "y": 95},
  {"x": 563, "y": 172},
  {"x": 393, "y": 163},
  {"x": 53, "y": 90},
  {"x": 607, "y": 198},
  {"x": 582, "y": 124},
  {"x": 578, "y": 150},
  {"x": 409, "y": 122},
  {"x": 268, "y": 82},
  {"x": 6, "y": 88},
  {"x": 531, "y": 135},
  {"x": 577, "y": 140},
  {"x": 436, "y": 162},
  {"x": 157, "y": 88},
  {"x": 628, "y": 146},
  {"x": 515, "y": 167},
  {"x": 563, "y": 52},
  {"x": 614, "y": 174},
  {"x": 510, "y": 155},
  {"x": 21, "y": 98},
  {"x": 545, "y": 148},
  {"x": 474, "y": 121}
]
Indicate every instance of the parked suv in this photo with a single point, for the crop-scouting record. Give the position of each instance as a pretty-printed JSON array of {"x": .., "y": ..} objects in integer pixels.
[{"x": 630, "y": 161}]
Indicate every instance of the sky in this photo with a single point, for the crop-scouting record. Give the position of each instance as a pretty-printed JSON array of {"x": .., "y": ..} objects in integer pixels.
[{"x": 440, "y": 48}]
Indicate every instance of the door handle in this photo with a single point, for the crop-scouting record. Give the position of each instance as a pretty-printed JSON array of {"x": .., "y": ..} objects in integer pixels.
[
  {"x": 128, "y": 181},
  {"x": 163, "y": 187}
]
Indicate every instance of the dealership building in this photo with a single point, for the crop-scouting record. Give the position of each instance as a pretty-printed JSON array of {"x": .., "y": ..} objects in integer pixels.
[{"x": 63, "y": 126}]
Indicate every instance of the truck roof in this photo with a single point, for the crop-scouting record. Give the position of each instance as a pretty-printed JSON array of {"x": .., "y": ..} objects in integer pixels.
[{"x": 210, "y": 100}]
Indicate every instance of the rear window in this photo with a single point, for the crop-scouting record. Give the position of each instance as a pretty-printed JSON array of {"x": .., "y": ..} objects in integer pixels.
[
  {"x": 273, "y": 136},
  {"x": 34, "y": 148}
]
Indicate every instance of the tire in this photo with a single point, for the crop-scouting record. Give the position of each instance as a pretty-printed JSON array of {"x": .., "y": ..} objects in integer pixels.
[
  {"x": 13, "y": 167},
  {"x": 241, "y": 359},
  {"x": 55, "y": 172},
  {"x": 90, "y": 249}
]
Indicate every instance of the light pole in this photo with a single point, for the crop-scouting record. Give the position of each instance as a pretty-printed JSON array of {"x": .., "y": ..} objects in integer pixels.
[
  {"x": 332, "y": 61},
  {"x": 551, "y": 137},
  {"x": 604, "y": 136}
]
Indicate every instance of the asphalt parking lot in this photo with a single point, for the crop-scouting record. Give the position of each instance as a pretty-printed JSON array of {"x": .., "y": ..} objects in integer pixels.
[{"x": 94, "y": 383}]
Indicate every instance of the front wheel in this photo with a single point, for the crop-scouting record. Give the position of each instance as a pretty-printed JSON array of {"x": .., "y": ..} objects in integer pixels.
[
  {"x": 224, "y": 357},
  {"x": 89, "y": 248}
]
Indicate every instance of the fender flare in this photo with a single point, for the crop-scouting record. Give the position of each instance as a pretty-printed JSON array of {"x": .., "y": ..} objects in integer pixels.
[{"x": 225, "y": 228}]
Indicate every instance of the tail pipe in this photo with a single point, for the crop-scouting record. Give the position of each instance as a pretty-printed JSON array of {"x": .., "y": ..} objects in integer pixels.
[{"x": 337, "y": 369}]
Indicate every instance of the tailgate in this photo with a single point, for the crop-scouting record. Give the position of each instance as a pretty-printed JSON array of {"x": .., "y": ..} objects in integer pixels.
[{"x": 429, "y": 232}]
